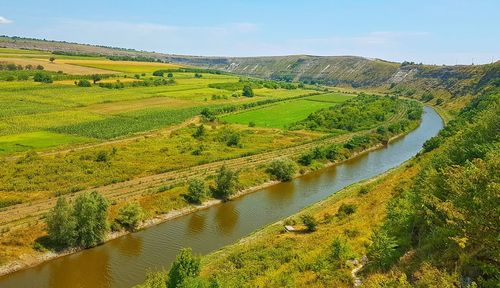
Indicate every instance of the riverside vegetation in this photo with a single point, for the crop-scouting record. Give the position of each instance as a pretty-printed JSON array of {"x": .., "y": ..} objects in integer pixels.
[
  {"x": 430, "y": 223},
  {"x": 134, "y": 140}
]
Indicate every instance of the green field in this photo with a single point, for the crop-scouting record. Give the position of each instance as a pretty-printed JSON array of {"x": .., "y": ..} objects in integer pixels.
[
  {"x": 282, "y": 114},
  {"x": 37, "y": 116},
  {"x": 331, "y": 97},
  {"x": 36, "y": 140}
]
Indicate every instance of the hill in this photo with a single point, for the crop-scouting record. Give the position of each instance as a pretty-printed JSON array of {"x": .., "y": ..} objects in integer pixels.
[{"x": 352, "y": 71}]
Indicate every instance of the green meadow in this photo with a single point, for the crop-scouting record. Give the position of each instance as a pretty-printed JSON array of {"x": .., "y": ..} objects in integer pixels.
[{"x": 282, "y": 114}]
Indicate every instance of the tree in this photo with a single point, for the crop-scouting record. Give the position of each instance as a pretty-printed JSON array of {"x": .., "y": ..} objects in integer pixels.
[
  {"x": 382, "y": 251},
  {"x": 129, "y": 216},
  {"x": 247, "y": 91},
  {"x": 226, "y": 182},
  {"x": 61, "y": 224},
  {"x": 196, "y": 191},
  {"x": 102, "y": 156},
  {"x": 310, "y": 222},
  {"x": 341, "y": 251},
  {"x": 282, "y": 169},
  {"x": 185, "y": 266},
  {"x": 170, "y": 75},
  {"x": 90, "y": 211},
  {"x": 96, "y": 78},
  {"x": 52, "y": 59}
]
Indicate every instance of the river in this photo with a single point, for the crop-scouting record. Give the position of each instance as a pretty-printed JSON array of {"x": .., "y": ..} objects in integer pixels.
[{"x": 123, "y": 262}]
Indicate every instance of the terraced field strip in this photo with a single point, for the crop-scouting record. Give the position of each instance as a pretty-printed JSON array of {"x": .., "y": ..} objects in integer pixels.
[{"x": 22, "y": 215}]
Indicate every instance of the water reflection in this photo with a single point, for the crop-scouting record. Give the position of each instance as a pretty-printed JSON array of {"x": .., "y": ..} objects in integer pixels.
[
  {"x": 196, "y": 222},
  {"x": 73, "y": 271},
  {"x": 129, "y": 245},
  {"x": 226, "y": 217}
]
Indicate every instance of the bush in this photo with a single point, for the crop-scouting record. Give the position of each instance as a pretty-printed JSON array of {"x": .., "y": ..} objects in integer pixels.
[
  {"x": 90, "y": 212},
  {"x": 196, "y": 191},
  {"x": 282, "y": 169},
  {"x": 61, "y": 224},
  {"x": 382, "y": 251},
  {"x": 247, "y": 91},
  {"x": 185, "y": 266},
  {"x": 346, "y": 210},
  {"x": 310, "y": 222},
  {"x": 130, "y": 216},
  {"x": 305, "y": 159},
  {"x": 101, "y": 156},
  {"x": 83, "y": 83},
  {"x": 200, "y": 132},
  {"x": 226, "y": 182},
  {"x": 42, "y": 77}
]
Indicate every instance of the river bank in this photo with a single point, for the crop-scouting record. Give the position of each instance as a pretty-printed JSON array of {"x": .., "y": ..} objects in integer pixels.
[{"x": 29, "y": 261}]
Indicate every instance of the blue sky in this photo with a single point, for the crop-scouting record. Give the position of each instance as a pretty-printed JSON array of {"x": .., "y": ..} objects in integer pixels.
[{"x": 435, "y": 32}]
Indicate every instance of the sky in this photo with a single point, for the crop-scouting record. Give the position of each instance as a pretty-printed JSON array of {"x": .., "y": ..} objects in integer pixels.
[{"x": 433, "y": 32}]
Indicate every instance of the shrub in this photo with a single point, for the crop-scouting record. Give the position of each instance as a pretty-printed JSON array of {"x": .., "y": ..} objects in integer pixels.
[
  {"x": 310, "y": 222},
  {"x": 185, "y": 266},
  {"x": 84, "y": 83},
  {"x": 226, "y": 182},
  {"x": 101, "y": 156},
  {"x": 346, "y": 210},
  {"x": 200, "y": 132},
  {"x": 42, "y": 77},
  {"x": 251, "y": 124},
  {"x": 196, "y": 191},
  {"x": 305, "y": 159},
  {"x": 61, "y": 224},
  {"x": 382, "y": 251},
  {"x": 282, "y": 169},
  {"x": 129, "y": 216},
  {"x": 90, "y": 212},
  {"x": 247, "y": 91}
]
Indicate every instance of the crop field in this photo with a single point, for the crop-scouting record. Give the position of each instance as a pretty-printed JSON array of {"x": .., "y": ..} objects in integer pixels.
[
  {"x": 122, "y": 66},
  {"x": 282, "y": 114},
  {"x": 40, "y": 116}
]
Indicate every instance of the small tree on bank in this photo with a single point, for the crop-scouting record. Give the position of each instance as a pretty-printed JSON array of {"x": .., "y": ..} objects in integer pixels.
[
  {"x": 61, "y": 224},
  {"x": 90, "y": 213},
  {"x": 130, "y": 216},
  {"x": 185, "y": 266},
  {"x": 282, "y": 169},
  {"x": 226, "y": 182},
  {"x": 52, "y": 59},
  {"x": 196, "y": 191}
]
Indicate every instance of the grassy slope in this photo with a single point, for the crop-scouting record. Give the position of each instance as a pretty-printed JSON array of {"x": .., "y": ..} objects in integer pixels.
[{"x": 271, "y": 258}]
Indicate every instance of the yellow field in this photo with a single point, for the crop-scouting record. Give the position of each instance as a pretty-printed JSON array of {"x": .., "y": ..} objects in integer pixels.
[{"x": 58, "y": 65}]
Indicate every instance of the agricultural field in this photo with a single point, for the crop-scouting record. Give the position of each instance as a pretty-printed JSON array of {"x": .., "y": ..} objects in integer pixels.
[
  {"x": 64, "y": 114},
  {"x": 281, "y": 115}
]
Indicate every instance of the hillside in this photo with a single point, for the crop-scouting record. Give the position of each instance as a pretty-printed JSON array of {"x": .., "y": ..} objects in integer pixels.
[{"x": 330, "y": 70}]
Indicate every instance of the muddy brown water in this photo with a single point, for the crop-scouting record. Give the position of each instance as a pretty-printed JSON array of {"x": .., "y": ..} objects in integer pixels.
[{"x": 124, "y": 262}]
